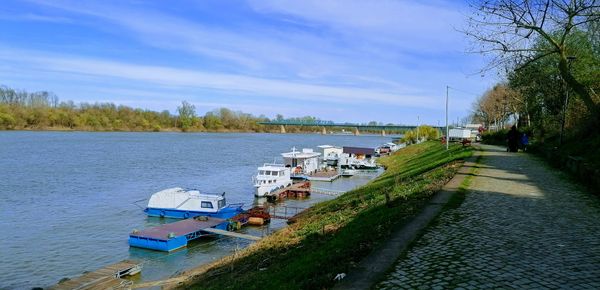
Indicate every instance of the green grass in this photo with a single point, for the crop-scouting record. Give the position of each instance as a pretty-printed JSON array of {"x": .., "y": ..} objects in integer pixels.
[{"x": 332, "y": 236}]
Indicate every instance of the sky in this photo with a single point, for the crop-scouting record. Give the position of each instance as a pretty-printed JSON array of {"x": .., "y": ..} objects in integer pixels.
[{"x": 340, "y": 60}]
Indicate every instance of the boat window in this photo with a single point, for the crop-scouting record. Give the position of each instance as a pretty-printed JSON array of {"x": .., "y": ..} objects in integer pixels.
[
  {"x": 275, "y": 173},
  {"x": 206, "y": 204},
  {"x": 261, "y": 172},
  {"x": 221, "y": 203}
]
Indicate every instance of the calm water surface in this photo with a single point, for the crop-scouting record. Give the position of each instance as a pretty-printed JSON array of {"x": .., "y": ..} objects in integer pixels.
[{"x": 67, "y": 198}]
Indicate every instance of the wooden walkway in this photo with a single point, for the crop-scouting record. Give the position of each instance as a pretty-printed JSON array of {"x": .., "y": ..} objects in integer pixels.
[
  {"x": 108, "y": 277},
  {"x": 296, "y": 190},
  {"x": 231, "y": 234},
  {"x": 326, "y": 191}
]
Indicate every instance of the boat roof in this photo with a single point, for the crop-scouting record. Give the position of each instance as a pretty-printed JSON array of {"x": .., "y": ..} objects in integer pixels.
[
  {"x": 272, "y": 167},
  {"x": 300, "y": 154},
  {"x": 190, "y": 192},
  {"x": 305, "y": 153},
  {"x": 359, "y": 150}
]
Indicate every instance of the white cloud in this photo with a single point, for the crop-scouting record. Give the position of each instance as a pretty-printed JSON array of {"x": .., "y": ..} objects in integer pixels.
[
  {"x": 398, "y": 53},
  {"x": 235, "y": 84},
  {"x": 35, "y": 17},
  {"x": 409, "y": 24}
]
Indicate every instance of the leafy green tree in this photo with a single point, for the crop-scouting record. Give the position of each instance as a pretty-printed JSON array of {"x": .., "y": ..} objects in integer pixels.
[
  {"x": 187, "y": 113},
  {"x": 518, "y": 33}
]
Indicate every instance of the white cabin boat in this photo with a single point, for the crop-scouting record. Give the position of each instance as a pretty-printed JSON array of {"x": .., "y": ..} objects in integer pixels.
[
  {"x": 271, "y": 177},
  {"x": 186, "y": 203}
]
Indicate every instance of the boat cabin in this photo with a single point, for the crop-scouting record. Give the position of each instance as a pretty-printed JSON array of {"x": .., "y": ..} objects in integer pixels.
[
  {"x": 357, "y": 157},
  {"x": 186, "y": 200},
  {"x": 359, "y": 152},
  {"x": 271, "y": 173},
  {"x": 330, "y": 154},
  {"x": 301, "y": 162}
]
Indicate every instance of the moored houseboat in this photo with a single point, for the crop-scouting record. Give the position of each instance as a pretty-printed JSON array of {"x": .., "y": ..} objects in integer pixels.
[
  {"x": 302, "y": 163},
  {"x": 358, "y": 158}
]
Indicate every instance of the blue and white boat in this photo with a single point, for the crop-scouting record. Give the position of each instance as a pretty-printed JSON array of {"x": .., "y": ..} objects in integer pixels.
[{"x": 181, "y": 203}]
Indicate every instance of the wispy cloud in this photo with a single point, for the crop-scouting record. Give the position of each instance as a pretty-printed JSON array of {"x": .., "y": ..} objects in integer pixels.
[
  {"x": 235, "y": 84},
  {"x": 35, "y": 17},
  {"x": 345, "y": 52},
  {"x": 258, "y": 48},
  {"x": 407, "y": 24}
]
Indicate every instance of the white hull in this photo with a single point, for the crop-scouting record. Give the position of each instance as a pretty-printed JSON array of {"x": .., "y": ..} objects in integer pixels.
[{"x": 263, "y": 190}]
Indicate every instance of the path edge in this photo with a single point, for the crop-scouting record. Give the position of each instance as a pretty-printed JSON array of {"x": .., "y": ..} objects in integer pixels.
[{"x": 371, "y": 269}]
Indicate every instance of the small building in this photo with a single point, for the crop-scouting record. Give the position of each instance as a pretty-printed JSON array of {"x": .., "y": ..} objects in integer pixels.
[
  {"x": 359, "y": 152},
  {"x": 330, "y": 154},
  {"x": 302, "y": 162}
]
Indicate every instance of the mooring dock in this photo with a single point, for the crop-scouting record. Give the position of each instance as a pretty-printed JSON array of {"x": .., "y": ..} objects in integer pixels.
[
  {"x": 108, "y": 277},
  {"x": 173, "y": 236},
  {"x": 296, "y": 190},
  {"x": 170, "y": 237},
  {"x": 324, "y": 176}
]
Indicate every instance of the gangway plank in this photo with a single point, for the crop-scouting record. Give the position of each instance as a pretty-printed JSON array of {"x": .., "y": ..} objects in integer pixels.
[{"x": 231, "y": 234}]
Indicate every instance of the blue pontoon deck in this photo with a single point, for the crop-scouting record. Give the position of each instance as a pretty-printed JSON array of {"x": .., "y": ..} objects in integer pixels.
[{"x": 173, "y": 236}]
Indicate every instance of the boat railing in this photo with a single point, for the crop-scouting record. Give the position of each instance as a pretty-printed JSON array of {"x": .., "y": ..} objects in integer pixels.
[{"x": 273, "y": 164}]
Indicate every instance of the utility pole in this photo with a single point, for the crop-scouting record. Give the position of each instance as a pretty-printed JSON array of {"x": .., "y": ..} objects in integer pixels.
[
  {"x": 447, "y": 136},
  {"x": 418, "y": 121}
]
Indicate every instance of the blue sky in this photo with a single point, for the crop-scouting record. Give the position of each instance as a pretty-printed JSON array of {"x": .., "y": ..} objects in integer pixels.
[{"x": 346, "y": 60}]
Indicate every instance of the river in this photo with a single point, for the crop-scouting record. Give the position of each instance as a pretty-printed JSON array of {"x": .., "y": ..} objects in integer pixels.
[{"x": 67, "y": 198}]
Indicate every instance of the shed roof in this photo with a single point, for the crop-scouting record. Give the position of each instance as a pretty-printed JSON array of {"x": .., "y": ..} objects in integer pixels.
[{"x": 359, "y": 150}]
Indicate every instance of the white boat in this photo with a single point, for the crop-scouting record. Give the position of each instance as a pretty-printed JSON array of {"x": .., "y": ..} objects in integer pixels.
[
  {"x": 348, "y": 172},
  {"x": 271, "y": 177},
  {"x": 364, "y": 164},
  {"x": 186, "y": 203}
]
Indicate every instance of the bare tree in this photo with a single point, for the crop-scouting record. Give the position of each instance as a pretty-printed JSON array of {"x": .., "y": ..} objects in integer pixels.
[
  {"x": 508, "y": 30},
  {"x": 497, "y": 105}
]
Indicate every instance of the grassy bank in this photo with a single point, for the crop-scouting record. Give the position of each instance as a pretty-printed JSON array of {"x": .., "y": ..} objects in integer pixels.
[{"x": 331, "y": 237}]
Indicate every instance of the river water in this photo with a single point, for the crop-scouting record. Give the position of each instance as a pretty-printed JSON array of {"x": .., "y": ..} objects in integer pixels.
[{"x": 67, "y": 198}]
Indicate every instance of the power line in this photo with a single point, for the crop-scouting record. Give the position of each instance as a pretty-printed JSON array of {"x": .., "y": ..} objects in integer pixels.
[{"x": 463, "y": 91}]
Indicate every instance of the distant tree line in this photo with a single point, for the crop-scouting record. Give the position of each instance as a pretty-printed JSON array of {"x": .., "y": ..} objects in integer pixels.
[{"x": 22, "y": 110}]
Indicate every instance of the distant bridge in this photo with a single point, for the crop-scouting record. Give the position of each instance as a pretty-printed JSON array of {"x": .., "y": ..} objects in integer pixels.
[{"x": 325, "y": 124}]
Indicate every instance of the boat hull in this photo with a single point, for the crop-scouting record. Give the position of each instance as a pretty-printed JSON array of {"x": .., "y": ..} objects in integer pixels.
[
  {"x": 264, "y": 190},
  {"x": 225, "y": 213}
]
